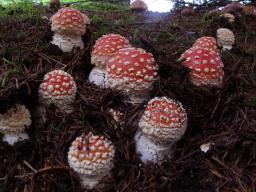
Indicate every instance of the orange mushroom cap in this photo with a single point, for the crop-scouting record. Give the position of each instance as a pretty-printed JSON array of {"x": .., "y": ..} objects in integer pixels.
[
  {"x": 91, "y": 155},
  {"x": 106, "y": 46},
  {"x": 206, "y": 66},
  {"x": 133, "y": 68},
  {"x": 164, "y": 120},
  {"x": 68, "y": 21},
  {"x": 208, "y": 43}
]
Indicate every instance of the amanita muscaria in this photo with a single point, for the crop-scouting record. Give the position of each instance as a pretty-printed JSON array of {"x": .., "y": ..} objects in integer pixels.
[
  {"x": 58, "y": 88},
  {"x": 133, "y": 71},
  {"x": 206, "y": 42},
  {"x": 68, "y": 25},
  {"x": 103, "y": 50},
  {"x": 138, "y": 5},
  {"x": 91, "y": 156},
  {"x": 225, "y": 38},
  {"x": 13, "y": 124},
  {"x": 206, "y": 67},
  {"x": 162, "y": 124}
]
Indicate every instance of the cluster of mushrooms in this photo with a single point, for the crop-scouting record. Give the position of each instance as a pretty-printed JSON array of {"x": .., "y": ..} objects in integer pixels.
[{"x": 119, "y": 66}]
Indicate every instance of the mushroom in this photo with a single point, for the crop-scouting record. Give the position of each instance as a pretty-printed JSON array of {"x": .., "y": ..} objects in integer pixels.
[
  {"x": 229, "y": 17},
  {"x": 68, "y": 25},
  {"x": 58, "y": 88},
  {"x": 189, "y": 11},
  {"x": 138, "y": 5},
  {"x": 249, "y": 10},
  {"x": 206, "y": 42},
  {"x": 214, "y": 12},
  {"x": 13, "y": 124},
  {"x": 133, "y": 71},
  {"x": 232, "y": 7},
  {"x": 225, "y": 38},
  {"x": 206, "y": 67},
  {"x": 91, "y": 156},
  {"x": 162, "y": 124},
  {"x": 103, "y": 50}
]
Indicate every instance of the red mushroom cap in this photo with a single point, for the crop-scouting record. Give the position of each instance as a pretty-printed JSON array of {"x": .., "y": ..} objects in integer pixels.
[
  {"x": 164, "y": 120},
  {"x": 131, "y": 69},
  {"x": 106, "y": 46},
  {"x": 208, "y": 43},
  {"x": 91, "y": 155},
  {"x": 206, "y": 66},
  {"x": 68, "y": 21},
  {"x": 58, "y": 86}
]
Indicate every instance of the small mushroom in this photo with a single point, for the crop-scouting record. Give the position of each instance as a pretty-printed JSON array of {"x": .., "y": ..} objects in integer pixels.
[
  {"x": 162, "y": 124},
  {"x": 229, "y": 17},
  {"x": 249, "y": 10},
  {"x": 206, "y": 67},
  {"x": 91, "y": 156},
  {"x": 13, "y": 124},
  {"x": 133, "y": 71},
  {"x": 103, "y": 50},
  {"x": 138, "y": 5},
  {"x": 188, "y": 11},
  {"x": 68, "y": 25},
  {"x": 206, "y": 42},
  {"x": 214, "y": 13},
  {"x": 225, "y": 38},
  {"x": 232, "y": 7},
  {"x": 58, "y": 88}
]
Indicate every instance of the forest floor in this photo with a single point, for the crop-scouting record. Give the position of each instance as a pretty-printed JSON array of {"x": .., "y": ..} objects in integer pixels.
[{"x": 225, "y": 118}]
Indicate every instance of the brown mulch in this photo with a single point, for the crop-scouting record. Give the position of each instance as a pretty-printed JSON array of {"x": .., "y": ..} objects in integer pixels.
[{"x": 224, "y": 117}]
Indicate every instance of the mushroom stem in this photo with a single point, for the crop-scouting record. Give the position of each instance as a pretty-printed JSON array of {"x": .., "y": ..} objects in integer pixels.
[
  {"x": 13, "y": 138},
  {"x": 98, "y": 76},
  {"x": 89, "y": 182},
  {"x": 151, "y": 151},
  {"x": 67, "y": 43},
  {"x": 138, "y": 97}
]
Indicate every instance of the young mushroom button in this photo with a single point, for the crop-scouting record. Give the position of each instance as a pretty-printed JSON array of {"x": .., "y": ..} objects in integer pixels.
[
  {"x": 133, "y": 71},
  {"x": 162, "y": 124},
  {"x": 58, "y": 88},
  {"x": 13, "y": 124},
  {"x": 103, "y": 50},
  {"x": 68, "y": 25},
  {"x": 225, "y": 38},
  {"x": 206, "y": 67},
  {"x": 91, "y": 156}
]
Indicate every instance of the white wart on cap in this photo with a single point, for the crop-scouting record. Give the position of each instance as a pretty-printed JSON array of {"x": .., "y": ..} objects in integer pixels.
[
  {"x": 225, "y": 38},
  {"x": 91, "y": 156},
  {"x": 133, "y": 71},
  {"x": 58, "y": 88},
  {"x": 13, "y": 124}
]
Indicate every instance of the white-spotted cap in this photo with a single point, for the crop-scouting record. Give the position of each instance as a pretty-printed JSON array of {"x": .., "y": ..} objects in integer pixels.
[
  {"x": 58, "y": 87},
  {"x": 91, "y": 155},
  {"x": 15, "y": 120},
  {"x": 131, "y": 69},
  {"x": 206, "y": 66},
  {"x": 105, "y": 47},
  {"x": 138, "y": 5},
  {"x": 69, "y": 22},
  {"x": 206, "y": 42},
  {"x": 225, "y": 38},
  {"x": 164, "y": 120}
]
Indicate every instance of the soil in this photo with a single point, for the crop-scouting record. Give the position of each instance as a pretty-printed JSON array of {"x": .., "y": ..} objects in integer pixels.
[{"x": 224, "y": 117}]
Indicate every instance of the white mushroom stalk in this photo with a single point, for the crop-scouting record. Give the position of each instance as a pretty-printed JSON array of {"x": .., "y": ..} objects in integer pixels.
[
  {"x": 58, "y": 88},
  {"x": 163, "y": 123},
  {"x": 13, "y": 124},
  {"x": 103, "y": 50},
  {"x": 68, "y": 25},
  {"x": 91, "y": 156},
  {"x": 225, "y": 38}
]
